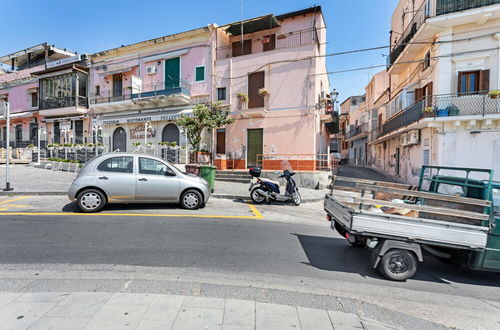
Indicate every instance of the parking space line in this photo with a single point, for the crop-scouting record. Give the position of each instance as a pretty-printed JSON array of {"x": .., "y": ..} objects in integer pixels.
[
  {"x": 14, "y": 200},
  {"x": 256, "y": 214}
]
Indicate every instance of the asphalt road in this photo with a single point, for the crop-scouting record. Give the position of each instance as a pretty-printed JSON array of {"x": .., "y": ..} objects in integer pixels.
[{"x": 276, "y": 253}]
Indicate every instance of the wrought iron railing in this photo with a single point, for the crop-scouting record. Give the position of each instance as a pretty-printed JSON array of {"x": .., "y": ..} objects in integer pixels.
[
  {"x": 444, "y": 106},
  {"x": 363, "y": 128},
  {"x": 430, "y": 8},
  {"x": 62, "y": 102},
  {"x": 281, "y": 41},
  {"x": 147, "y": 91},
  {"x": 450, "y": 6}
]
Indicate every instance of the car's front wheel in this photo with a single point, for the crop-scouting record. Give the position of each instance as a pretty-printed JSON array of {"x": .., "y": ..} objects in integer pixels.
[
  {"x": 191, "y": 200},
  {"x": 91, "y": 200}
]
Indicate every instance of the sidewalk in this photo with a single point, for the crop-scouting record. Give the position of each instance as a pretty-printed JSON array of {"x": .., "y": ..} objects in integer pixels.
[
  {"x": 92, "y": 310},
  {"x": 29, "y": 180}
]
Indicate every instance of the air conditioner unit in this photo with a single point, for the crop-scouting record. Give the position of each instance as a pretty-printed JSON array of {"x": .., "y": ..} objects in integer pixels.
[
  {"x": 413, "y": 137},
  {"x": 404, "y": 139},
  {"x": 151, "y": 69}
]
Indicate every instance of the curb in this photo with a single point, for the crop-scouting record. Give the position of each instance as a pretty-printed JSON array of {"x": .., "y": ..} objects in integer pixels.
[{"x": 64, "y": 193}]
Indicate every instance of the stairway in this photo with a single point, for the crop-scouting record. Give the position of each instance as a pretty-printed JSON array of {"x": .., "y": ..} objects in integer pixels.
[{"x": 233, "y": 176}]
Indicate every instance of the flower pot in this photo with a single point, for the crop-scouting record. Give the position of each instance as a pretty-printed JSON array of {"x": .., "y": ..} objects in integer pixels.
[
  {"x": 442, "y": 113},
  {"x": 428, "y": 114}
]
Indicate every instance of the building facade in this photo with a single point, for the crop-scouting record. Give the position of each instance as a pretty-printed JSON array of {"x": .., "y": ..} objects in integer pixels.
[
  {"x": 270, "y": 73},
  {"x": 443, "y": 64},
  {"x": 20, "y": 87},
  {"x": 140, "y": 90}
]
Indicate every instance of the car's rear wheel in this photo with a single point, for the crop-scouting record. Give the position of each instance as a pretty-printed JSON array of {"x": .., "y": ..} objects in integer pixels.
[
  {"x": 91, "y": 200},
  {"x": 191, "y": 200}
]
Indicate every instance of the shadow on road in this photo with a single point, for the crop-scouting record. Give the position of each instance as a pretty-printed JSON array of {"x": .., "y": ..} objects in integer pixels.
[
  {"x": 72, "y": 207},
  {"x": 335, "y": 254}
]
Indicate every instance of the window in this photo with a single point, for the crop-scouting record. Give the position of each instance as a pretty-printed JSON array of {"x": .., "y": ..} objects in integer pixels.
[
  {"x": 427, "y": 60},
  {"x": 255, "y": 82},
  {"x": 221, "y": 93},
  {"x": 154, "y": 167},
  {"x": 117, "y": 164},
  {"x": 473, "y": 81},
  {"x": 200, "y": 73},
  {"x": 496, "y": 199},
  {"x": 221, "y": 141},
  {"x": 240, "y": 48},
  {"x": 450, "y": 189},
  {"x": 34, "y": 100},
  {"x": 97, "y": 90},
  {"x": 269, "y": 42},
  {"x": 34, "y": 132}
]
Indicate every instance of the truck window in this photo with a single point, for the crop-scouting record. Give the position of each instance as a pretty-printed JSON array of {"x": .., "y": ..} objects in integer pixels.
[
  {"x": 450, "y": 189},
  {"x": 496, "y": 200}
]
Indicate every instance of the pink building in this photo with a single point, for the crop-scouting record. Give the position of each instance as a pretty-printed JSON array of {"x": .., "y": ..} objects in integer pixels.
[
  {"x": 270, "y": 73},
  {"x": 143, "y": 88},
  {"x": 20, "y": 88}
]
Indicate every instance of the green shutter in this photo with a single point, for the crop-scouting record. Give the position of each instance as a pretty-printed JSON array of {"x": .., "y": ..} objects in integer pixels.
[
  {"x": 172, "y": 73},
  {"x": 200, "y": 73}
]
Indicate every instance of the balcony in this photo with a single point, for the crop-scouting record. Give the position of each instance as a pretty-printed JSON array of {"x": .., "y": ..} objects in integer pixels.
[
  {"x": 443, "y": 106},
  {"x": 153, "y": 95},
  {"x": 358, "y": 132},
  {"x": 430, "y": 9},
  {"x": 269, "y": 43}
]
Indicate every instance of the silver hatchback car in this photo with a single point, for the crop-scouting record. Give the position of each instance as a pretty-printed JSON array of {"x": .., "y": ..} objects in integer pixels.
[{"x": 135, "y": 178}]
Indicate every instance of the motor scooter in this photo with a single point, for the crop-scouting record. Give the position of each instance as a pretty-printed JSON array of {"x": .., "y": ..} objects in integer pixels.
[{"x": 264, "y": 191}]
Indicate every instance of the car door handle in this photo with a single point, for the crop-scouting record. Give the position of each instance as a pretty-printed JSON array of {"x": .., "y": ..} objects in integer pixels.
[
  {"x": 143, "y": 179},
  {"x": 103, "y": 178}
]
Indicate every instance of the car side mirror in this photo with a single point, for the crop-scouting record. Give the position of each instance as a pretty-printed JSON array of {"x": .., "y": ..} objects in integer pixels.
[{"x": 168, "y": 173}]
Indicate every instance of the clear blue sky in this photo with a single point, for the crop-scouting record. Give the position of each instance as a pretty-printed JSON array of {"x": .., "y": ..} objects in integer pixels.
[{"x": 91, "y": 26}]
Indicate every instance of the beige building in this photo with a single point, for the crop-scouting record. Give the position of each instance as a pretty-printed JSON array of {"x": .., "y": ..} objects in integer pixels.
[{"x": 444, "y": 60}]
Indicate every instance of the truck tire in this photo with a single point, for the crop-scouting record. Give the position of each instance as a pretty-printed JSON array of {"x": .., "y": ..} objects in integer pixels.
[{"x": 398, "y": 265}]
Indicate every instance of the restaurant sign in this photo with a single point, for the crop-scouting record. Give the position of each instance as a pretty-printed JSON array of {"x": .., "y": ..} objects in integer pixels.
[
  {"x": 142, "y": 119},
  {"x": 137, "y": 132}
]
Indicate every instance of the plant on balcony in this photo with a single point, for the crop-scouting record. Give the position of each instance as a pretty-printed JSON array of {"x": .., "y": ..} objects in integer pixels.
[
  {"x": 242, "y": 96},
  {"x": 265, "y": 39},
  {"x": 453, "y": 110},
  {"x": 494, "y": 94},
  {"x": 428, "y": 111},
  {"x": 263, "y": 92}
]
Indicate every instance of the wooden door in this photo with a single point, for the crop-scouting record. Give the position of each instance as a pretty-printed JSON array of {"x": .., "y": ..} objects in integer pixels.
[
  {"x": 255, "y": 82},
  {"x": 254, "y": 145}
]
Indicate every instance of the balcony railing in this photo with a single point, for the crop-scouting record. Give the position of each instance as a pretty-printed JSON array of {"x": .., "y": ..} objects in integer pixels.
[
  {"x": 281, "y": 41},
  {"x": 427, "y": 10},
  {"x": 148, "y": 91},
  {"x": 363, "y": 128},
  {"x": 443, "y": 106},
  {"x": 62, "y": 102},
  {"x": 451, "y": 6}
]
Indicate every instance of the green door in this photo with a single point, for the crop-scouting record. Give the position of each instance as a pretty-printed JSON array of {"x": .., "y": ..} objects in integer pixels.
[
  {"x": 254, "y": 146},
  {"x": 172, "y": 72}
]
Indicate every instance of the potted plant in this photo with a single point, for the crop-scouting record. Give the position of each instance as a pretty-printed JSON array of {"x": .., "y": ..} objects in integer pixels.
[
  {"x": 51, "y": 146},
  {"x": 494, "y": 94},
  {"x": 89, "y": 146},
  {"x": 150, "y": 145},
  {"x": 428, "y": 111},
  {"x": 242, "y": 96},
  {"x": 263, "y": 92},
  {"x": 100, "y": 146},
  {"x": 453, "y": 110},
  {"x": 30, "y": 146}
]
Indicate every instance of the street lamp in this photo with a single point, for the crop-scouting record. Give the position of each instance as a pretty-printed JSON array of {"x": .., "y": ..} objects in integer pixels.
[
  {"x": 41, "y": 131},
  {"x": 324, "y": 102},
  {"x": 6, "y": 112},
  {"x": 96, "y": 128}
]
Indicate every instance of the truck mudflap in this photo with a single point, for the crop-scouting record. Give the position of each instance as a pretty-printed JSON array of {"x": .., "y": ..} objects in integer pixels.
[{"x": 386, "y": 245}]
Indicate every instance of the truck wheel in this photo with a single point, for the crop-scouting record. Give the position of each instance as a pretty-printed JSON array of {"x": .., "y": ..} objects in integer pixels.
[{"x": 398, "y": 265}]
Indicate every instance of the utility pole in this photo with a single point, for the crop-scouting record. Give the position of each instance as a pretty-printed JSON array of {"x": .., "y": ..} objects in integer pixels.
[{"x": 6, "y": 110}]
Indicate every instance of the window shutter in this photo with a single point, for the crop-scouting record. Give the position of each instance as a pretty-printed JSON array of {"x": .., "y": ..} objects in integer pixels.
[
  {"x": 419, "y": 93},
  {"x": 459, "y": 84},
  {"x": 429, "y": 94},
  {"x": 484, "y": 81}
]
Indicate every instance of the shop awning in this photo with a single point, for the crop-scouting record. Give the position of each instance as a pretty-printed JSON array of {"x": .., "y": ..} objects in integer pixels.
[
  {"x": 113, "y": 71},
  {"x": 16, "y": 115},
  {"x": 253, "y": 25},
  {"x": 144, "y": 117}
]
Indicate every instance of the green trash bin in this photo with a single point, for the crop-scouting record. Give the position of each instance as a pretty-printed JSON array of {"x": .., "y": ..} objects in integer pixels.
[{"x": 207, "y": 172}]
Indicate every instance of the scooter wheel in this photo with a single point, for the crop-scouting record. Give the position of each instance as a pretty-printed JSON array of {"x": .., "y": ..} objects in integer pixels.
[
  {"x": 296, "y": 198},
  {"x": 256, "y": 197}
]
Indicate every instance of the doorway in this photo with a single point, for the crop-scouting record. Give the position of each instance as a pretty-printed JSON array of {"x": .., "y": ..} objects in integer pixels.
[
  {"x": 254, "y": 145},
  {"x": 117, "y": 85},
  {"x": 119, "y": 140},
  {"x": 172, "y": 73},
  {"x": 171, "y": 134}
]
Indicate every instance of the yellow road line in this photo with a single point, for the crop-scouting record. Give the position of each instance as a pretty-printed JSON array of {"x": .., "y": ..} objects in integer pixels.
[
  {"x": 15, "y": 199},
  {"x": 256, "y": 215}
]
